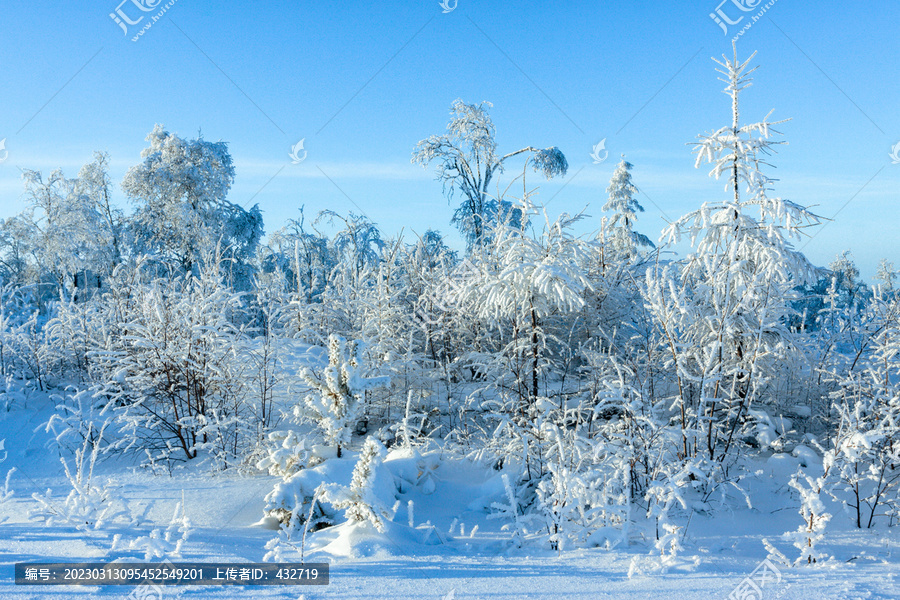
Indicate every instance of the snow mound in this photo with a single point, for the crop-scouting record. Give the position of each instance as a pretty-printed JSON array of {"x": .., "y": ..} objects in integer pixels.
[{"x": 362, "y": 540}]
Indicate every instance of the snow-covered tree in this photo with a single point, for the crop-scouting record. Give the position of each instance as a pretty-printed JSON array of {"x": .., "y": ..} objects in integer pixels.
[
  {"x": 71, "y": 228},
  {"x": 624, "y": 206},
  {"x": 358, "y": 245},
  {"x": 168, "y": 354},
  {"x": 93, "y": 187},
  {"x": 815, "y": 517},
  {"x": 723, "y": 308},
  {"x": 846, "y": 288},
  {"x": 303, "y": 256},
  {"x": 864, "y": 457},
  {"x": 17, "y": 248},
  {"x": 467, "y": 161},
  {"x": 887, "y": 275},
  {"x": 180, "y": 191},
  {"x": 525, "y": 281},
  {"x": 359, "y": 500},
  {"x": 338, "y": 394}
]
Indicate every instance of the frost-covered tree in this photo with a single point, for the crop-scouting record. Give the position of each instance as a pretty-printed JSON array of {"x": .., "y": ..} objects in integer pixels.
[
  {"x": 45, "y": 225},
  {"x": 864, "y": 458},
  {"x": 723, "y": 309},
  {"x": 17, "y": 246},
  {"x": 525, "y": 281},
  {"x": 302, "y": 255},
  {"x": 624, "y": 206},
  {"x": 167, "y": 350},
  {"x": 388, "y": 324},
  {"x": 180, "y": 191},
  {"x": 845, "y": 280},
  {"x": 887, "y": 275},
  {"x": 338, "y": 394},
  {"x": 68, "y": 230},
  {"x": 69, "y": 233},
  {"x": 359, "y": 500},
  {"x": 358, "y": 245},
  {"x": 18, "y": 323},
  {"x": 94, "y": 188},
  {"x": 467, "y": 161}
]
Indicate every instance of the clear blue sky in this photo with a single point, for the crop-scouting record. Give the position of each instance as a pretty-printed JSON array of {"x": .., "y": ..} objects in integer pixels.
[{"x": 362, "y": 82}]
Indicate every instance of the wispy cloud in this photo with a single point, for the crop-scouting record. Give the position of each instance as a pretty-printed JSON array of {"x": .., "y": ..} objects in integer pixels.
[{"x": 396, "y": 171}]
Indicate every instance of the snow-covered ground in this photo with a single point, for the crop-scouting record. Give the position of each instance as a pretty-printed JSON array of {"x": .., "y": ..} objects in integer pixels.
[{"x": 453, "y": 550}]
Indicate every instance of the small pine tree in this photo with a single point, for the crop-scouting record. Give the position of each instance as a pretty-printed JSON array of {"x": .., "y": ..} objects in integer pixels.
[
  {"x": 815, "y": 519},
  {"x": 723, "y": 308},
  {"x": 625, "y": 207},
  {"x": 359, "y": 500},
  {"x": 339, "y": 392}
]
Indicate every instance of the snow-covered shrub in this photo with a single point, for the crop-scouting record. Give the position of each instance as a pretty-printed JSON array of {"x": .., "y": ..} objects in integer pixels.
[
  {"x": 291, "y": 501},
  {"x": 412, "y": 429},
  {"x": 510, "y": 510},
  {"x": 160, "y": 544},
  {"x": 359, "y": 499},
  {"x": 13, "y": 314},
  {"x": 81, "y": 415},
  {"x": 174, "y": 373},
  {"x": 88, "y": 505},
  {"x": 74, "y": 332},
  {"x": 338, "y": 395},
  {"x": 287, "y": 531},
  {"x": 34, "y": 352},
  {"x": 417, "y": 470},
  {"x": 664, "y": 495},
  {"x": 25, "y": 349},
  {"x": 864, "y": 457},
  {"x": 522, "y": 286},
  {"x": 565, "y": 499},
  {"x": 13, "y": 392},
  {"x": 287, "y": 454},
  {"x": 865, "y": 460},
  {"x": 815, "y": 517},
  {"x": 585, "y": 496},
  {"x": 768, "y": 432}
]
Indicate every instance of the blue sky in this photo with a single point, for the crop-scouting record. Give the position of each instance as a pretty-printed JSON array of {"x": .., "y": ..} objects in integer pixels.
[{"x": 362, "y": 82}]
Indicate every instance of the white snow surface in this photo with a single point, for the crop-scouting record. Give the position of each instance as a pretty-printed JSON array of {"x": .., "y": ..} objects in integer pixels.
[{"x": 428, "y": 560}]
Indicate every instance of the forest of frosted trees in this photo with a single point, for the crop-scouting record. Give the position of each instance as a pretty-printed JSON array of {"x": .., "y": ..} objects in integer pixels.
[{"x": 618, "y": 385}]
